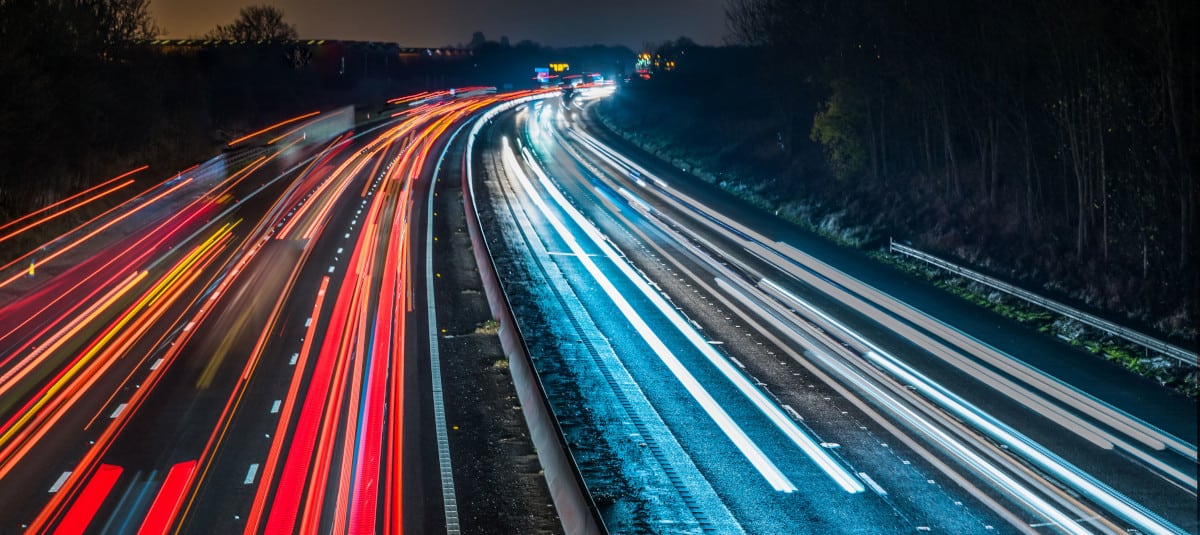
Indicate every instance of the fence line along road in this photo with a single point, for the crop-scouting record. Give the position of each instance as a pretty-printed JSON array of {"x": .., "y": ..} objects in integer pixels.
[{"x": 1175, "y": 352}]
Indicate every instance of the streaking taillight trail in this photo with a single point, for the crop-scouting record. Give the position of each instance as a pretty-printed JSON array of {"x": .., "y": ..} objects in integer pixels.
[{"x": 334, "y": 461}]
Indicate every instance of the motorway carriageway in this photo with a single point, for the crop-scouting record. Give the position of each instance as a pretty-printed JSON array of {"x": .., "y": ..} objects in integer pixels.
[
  {"x": 835, "y": 407},
  {"x": 226, "y": 352}
]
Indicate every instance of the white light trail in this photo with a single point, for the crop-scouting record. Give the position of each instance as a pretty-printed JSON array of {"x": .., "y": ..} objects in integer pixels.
[
  {"x": 838, "y": 473},
  {"x": 749, "y": 449},
  {"x": 1055, "y": 465},
  {"x": 787, "y": 426}
]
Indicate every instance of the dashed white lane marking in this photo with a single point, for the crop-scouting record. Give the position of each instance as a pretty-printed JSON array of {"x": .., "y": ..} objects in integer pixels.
[
  {"x": 253, "y": 471},
  {"x": 120, "y": 409},
  {"x": 792, "y": 412},
  {"x": 871, "y": 483},
  {"x": 275, "y": 406},
  {"x": 59, "y": 483}
]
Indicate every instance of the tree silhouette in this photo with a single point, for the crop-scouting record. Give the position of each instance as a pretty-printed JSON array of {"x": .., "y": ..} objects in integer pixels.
[
  {"x": 1069, "y": 121},
  {"x": 256, "y": 23},
  {"x": 477, "y": 40}
]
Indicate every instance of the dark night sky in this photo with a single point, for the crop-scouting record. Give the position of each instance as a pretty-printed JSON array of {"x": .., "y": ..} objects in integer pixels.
[{"x": 446, "y": 22}]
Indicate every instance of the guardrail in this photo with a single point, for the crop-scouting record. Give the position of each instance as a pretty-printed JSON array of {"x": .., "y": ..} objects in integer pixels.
[
  {"x": 1175, "y": 352},
  {"x": 577, "y": 512}
]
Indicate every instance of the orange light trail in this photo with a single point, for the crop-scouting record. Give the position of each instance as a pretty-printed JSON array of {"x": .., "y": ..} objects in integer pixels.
[
  {"x": 13, "y": 376},
  {"x": 67, "y": 210},
  {"x": 26, "y": 256},
  {"x": 101, "y": 445},
  {"x": 297, "y": 129},
  {"x": 272, "y": 127},
  {"x": 73, "y": 197},
  {"x": 102, "y": 228},
  {"x": 113, "y": 334},
  {"x": 232, "y": 404},
  {"x": 342, "y": 444},
  {"x": 68, "y": 199},
  {"x": 27, "y": 411},
  {"x": 281, "y": 428}
]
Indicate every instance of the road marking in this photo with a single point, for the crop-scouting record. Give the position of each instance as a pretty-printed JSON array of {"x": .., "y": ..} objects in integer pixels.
[
  {"x": 275, "y": 406},
  {"x": 307, "y": 322},
  {"x": 449, "y": 498},
  {"x": 251, "y": 473},
  {"x": 738, "y": 362},
  {"x": 871, "y": 483},
  {"x": 60, "y": 482},
  {"x": 156, "y": 364},
  {"x": 294, "y": 357},
  {"x": 120, "y": 409},
  {"x": 1079, "y": 520},
  {"x": 732, "y": 430},
  {"x": 788, "y": 409}
]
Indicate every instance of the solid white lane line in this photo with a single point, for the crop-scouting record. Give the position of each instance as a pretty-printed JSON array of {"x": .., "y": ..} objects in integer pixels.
[
  {"x": 834, "y": 469},
  {"x": 748, "y": 448}
]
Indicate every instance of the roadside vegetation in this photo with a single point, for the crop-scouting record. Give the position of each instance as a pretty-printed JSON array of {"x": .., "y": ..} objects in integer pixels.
[{"x": 1036, "y": 143}]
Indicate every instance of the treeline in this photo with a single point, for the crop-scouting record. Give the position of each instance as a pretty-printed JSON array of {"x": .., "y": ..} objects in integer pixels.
[
  {"x": 65, "y": 88},
  {"x": 85, "y": 96},
  {"x": 1054, "y": 139}
]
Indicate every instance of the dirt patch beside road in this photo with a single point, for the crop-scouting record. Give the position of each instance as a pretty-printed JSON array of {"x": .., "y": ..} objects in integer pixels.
[{"x": 498, "y": 479}]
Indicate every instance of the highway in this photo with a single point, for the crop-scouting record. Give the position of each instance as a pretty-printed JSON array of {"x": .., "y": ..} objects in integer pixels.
[
  {"x": 734, "y": 375},
  {"x": 256, "y": 344},
  {"x": 242, "y": 347}
]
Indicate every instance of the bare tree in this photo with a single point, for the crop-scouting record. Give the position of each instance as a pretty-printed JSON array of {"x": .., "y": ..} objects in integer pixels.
[
  {"x": 125, "y": 20},
  {"x": 256, "y": 23}
]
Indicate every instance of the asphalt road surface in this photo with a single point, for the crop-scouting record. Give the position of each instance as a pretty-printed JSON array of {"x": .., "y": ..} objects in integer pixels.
[{"x": 743, "y": 375}]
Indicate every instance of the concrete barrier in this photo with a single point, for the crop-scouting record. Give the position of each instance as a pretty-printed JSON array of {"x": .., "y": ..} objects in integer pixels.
[{"x": 574, "y": 504}]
